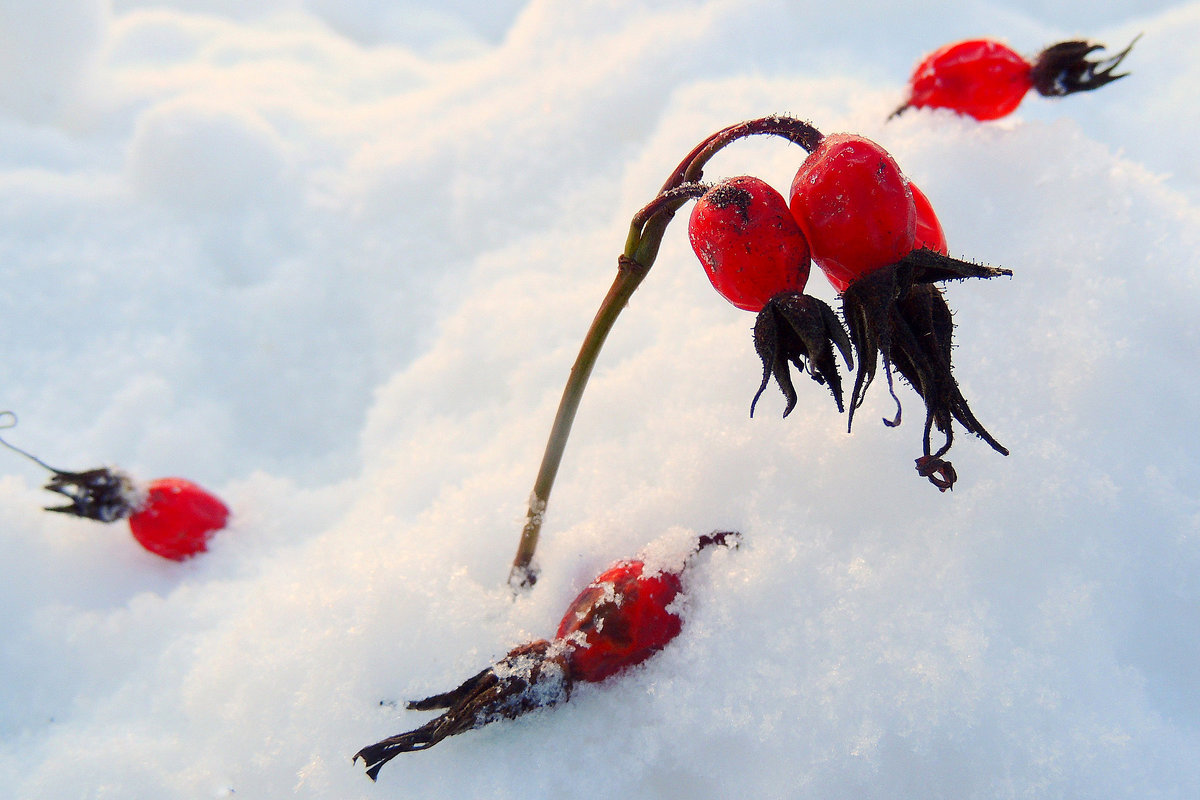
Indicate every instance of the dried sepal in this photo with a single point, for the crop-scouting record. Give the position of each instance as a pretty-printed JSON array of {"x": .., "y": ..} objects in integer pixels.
[
  {"x": 530, "y": 677},
  {"x": 1064, "y": 68},
  {"x": 794, "y": 329},
  {"x": 939, "y": 471},
  {"x": 103, "y": 494},
  {"x": 898, "y": 314}
]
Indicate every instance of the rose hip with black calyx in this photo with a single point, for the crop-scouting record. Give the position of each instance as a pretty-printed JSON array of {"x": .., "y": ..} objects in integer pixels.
[
  {"x": 170, "y": 517},
  {"x": 757, "y": 258},
  {"x": 987, "y": 79},
  {"x": 861, "y": 217},
  {"x": 620, "y": 619}
]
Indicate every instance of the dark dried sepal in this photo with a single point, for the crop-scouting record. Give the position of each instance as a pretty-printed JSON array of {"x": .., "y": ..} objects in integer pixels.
[
  {"x": 897, "y": 313},
  {"x": 730, "y": 539},
  {"x": 925, "y": 327},
  {"x": 930, "y": 266},
  {"x": 794, "y": 329},
  {"x": 531, "y": 676},
  {"x": 1063, "y": 68},
  {"x": 105, "y": 495},
  {"x": 939, "y": 472}
]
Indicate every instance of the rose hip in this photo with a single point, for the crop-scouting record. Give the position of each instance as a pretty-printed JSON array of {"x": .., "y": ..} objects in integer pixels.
[{"x": 748, "y": 242}]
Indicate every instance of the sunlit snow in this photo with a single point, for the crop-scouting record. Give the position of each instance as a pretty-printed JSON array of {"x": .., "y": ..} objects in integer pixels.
[{"x": 333, "y": 261}]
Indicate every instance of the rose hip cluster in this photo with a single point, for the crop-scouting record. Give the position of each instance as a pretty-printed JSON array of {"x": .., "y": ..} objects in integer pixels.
[
  {"x": 877, "y": 239},
  {"x": 873, "y": 234}
]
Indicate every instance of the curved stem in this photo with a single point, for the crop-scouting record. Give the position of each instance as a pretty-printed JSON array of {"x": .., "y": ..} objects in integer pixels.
[
  {"x": 8, "y": 419},
  {"x": 629, "y": 274},
  {"x": 794, "y": 130},
  {"x": 641, "y": 249}
]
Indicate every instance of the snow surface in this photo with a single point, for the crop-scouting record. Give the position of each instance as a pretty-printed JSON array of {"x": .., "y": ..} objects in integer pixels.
[{"x": 333, "y": 260}]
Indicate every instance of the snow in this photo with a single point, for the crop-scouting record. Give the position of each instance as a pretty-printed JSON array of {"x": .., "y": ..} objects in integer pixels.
[{"x": 333, "y": 261}]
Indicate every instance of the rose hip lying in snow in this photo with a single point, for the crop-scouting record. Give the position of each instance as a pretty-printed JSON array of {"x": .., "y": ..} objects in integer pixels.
[
  {"x": 619, "y": 620},
  {"x": 987, "y": 79},
  {"x": 171, "y": 517},
  {"x": 748, "y": 242},
  {"x": 177, "y": 518}
]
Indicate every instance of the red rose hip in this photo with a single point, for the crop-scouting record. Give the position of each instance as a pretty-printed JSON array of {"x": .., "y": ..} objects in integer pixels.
[
  {"x": 620, "y": 619},
  {"x": 748, "y": 242},
  {"x": 980, "y": 77},
  {"x": 986, "y": 79},
  {"x": 177, "y": 518},
  {"x": 854, "y": 206},
  {"x": 171, "y": 517}
]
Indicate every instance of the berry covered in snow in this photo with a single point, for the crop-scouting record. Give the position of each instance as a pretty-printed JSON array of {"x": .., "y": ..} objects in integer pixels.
[{"x": 619, "y": 620}]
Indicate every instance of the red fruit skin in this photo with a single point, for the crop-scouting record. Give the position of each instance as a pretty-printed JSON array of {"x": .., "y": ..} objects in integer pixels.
[
  {"x": 929, "y": 230},
  {"x": 177, "y": 518},
  {"x": 929, "y": 233},
  {"x": 748, "y": 242},
  {"x": 854, "y": 206},
  {"x": 620, "y": 619},
  {"x": 980, "y": 77}
]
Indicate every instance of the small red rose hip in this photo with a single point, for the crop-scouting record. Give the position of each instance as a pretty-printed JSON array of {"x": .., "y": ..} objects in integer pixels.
[
  {"x": 171, "y": 517},
  {"x": 987, "y": 80},
  {"x": 748, "y": 242},
  {"x": 854, "y": 206},
  {"x": 982, "y": 78},
  {"x": 619, "y": 619},
  {"x": 177, "y": 518}
]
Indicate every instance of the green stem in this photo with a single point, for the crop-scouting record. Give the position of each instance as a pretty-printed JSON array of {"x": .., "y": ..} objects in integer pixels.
[
  {"x": 629, "y": 274},
  {"x": 641, "y": 249}
]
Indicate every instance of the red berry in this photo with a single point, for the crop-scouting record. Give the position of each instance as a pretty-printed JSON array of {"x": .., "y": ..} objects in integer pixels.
[
  {"x": 854, "y": 206},
  {"x": 177, "y": 518},
  {"x": 619, "y": 619},
  {"x": 748, "y": 242},
  {"x": 980, "y": 77}
]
